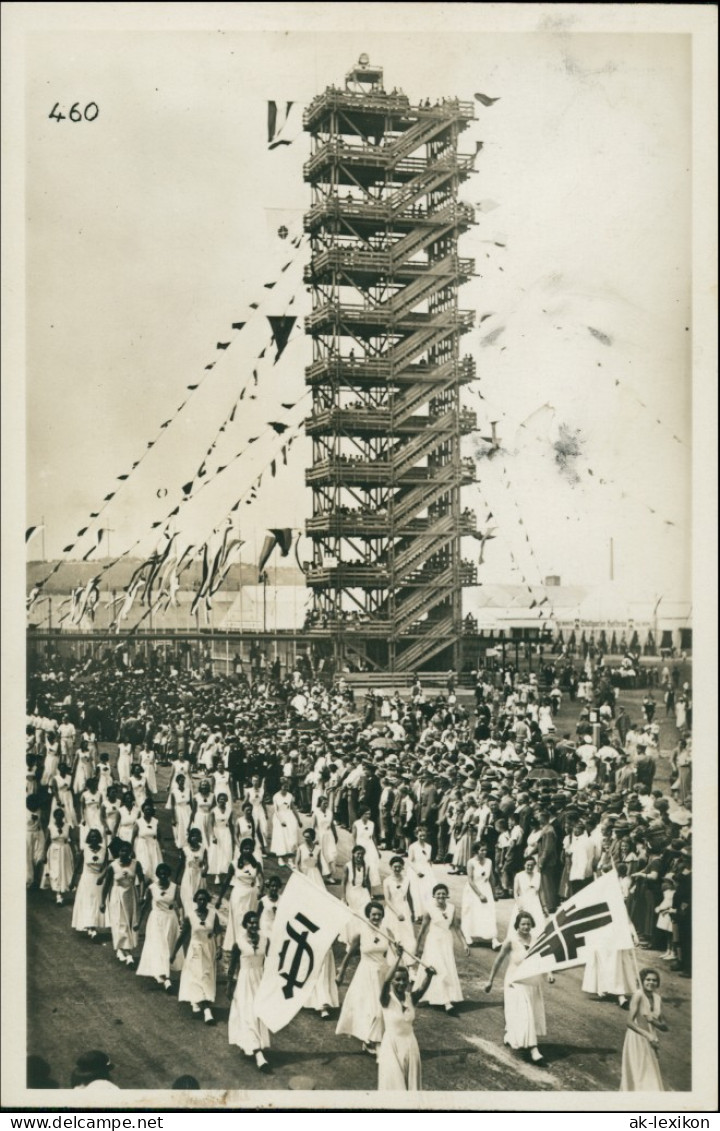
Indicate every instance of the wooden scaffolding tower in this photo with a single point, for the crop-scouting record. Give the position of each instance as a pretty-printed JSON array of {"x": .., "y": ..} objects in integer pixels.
[{"x": 386, "y": 423}]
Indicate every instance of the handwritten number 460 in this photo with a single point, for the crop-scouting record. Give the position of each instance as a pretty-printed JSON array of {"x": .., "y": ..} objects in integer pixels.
[{"x": 89, "y": 114}]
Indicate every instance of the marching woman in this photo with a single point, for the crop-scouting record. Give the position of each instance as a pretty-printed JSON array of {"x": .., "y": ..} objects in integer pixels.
[
  {"x": 120, "y": 884},
  {"x": 246, "y": 829},
  {"x": 124, "y": 763},
  {"x": 399, "y": 908},
  {"x": 246, "y": 879},
  {"x": 399, "y": 1067},
  {"x": 51, "y": 761},
  {"x": 527, "y": 889},
  {"x": 90, "y": 867},
  {"x": 355, "y": 891},
  {"x": 59, "y": 855},
  {"x": 221, "y": 779},
  {"x": 361, "y": 1013},
  {"x": 524, "y": 1005},
  {"x": 324, "y": 996},
  {"x": 91, "y": 816},
  {"x": 147, "y": 762},
  {"x": 62, "y": 789},
  {"x": 267, "y": 907},
  {"x": 327, "y": 838},
  {"x": 179, "y": 766},
  {"x": 254, "y": 795},
  {"x": 139, "y": 785},
  {"x": 435, "y": 947},
  {"x": 147, "y": 845},
  {"x": 34, "y": 841},
  {"x": 129, "y": 817},
  {"x": 198, "y": 981},
  {"x": 420, "y": 871},
  {"x": 103, "y": 773},
  {"x": 245, "y": 971},
  {"x": 180, "y": 804},
  {"x": 478, "y": 917},
  {"x": 611, "y": 972},
  {"x": 220, "y": 853},
  {"x": 286, "y": 822},
  {"x": 82, "y": 768},
  {"x": 640, "y": 1068},
  {"x": 363, "y": 832},
  {"x": 192, "y": 869},
  {"x": 204, "y": 805},
  {"x": 162, "y": 930}
]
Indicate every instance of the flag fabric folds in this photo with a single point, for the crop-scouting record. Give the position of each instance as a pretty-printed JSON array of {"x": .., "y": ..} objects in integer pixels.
[
  {"x": 592, "y": 919},
  {"x": 273, "y": 538},
  {"x": 307, "y": 922}
]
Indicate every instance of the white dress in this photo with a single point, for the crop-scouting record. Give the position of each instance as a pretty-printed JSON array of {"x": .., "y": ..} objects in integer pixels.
[
  {"x": 123, "y": 905},
  {"x": 161, "y": 934},
  {"x": 88, "y": 897},
  {"x": 610, "y": 972},
  {"x": 284, "y": 826},
  {"x": 204, "y": 805},
  {"x": 396, "y": 904},
  {"x": 422, "y": 879},
  {"x": 147, "y": 761},
  {"x": 244, "y": 897},
  {"x": 255, "y": 795},
  {"x": 640, "y": 1067},
  {"x": 326, "y": 840},
  {"x": 244, "y": 830},
  {"x": 478, "y": 920},
  {"x": 364, "y": 839},
  {"x": 65, "y": 800},
  {"x": 124, "y": 762},
  {"x": 59, "y": 859},
  {"x": 245, "y": 1029},
  {"x": 34, "y": 844},
  {"x": 220, "y": 853},
  {"x": 147, "y": 847},
  {"x": 183, "y": 814},
  {"x": 438, "y": 952},
  {"x": 399, "y": 1055},
  {"x": 198, "y": 981},
  {"x": 128, "y": 822},
  {"x": 361, "y": 1013},
  {"x": 524, "y": 1005},
  {"x": 357, "y": 898},
  {"x": 526, "y": 890},
  {"x": 191, "y": 877},
  {"x": 50, "y": 765}
]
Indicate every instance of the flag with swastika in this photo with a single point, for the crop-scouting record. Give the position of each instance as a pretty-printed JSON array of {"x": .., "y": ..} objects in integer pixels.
[{"x": 594, "y": 918}]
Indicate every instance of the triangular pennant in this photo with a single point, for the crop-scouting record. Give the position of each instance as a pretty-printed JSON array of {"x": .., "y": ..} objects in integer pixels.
[
  {"x": 222, "y": 345},
  {"x": 282, "y": 328},
  {"x": 238, "y": 325}
]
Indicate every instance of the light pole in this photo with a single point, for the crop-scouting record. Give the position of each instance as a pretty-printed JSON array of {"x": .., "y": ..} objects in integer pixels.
[{"x": 264, "y": 580}]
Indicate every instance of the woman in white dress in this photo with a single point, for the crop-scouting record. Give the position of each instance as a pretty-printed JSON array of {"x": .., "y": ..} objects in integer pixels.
[
  {"x": 435, "y": 947},
  {"x": 355, "y": 892},
  {"x": 59, "y": 856},
  {"x": 91, "y": 806},
  {"x": 420, "y": 872},
  {"x": 527, "y": 890},
  {"x": 363, "y": 832},
  {"x": 111, "y": 811},
  {"x": 245, "y": 877},
  {"x": 327, "y": 838},
  {"x": 399, "y": 908},
  {"x": 147, "y": 844},
  {"x": 324, "y": 996},
  {"x": 255, "y": 795},
  {"x": 247, "y": 960},
  {"x": 124, "y": 763},
  {"x": 129, "y": 817},
  {"x": 478, "y": 917},
  {"x": 178, "y": 766},
  {"x": 83, "y": 768},
  {"x": 524, "y": 1004},
  {"x": 198, "y": 981},
  {"x": 51, "y": 761},
  {"x": 103, "y": 773},
  {"x": 399, "y": 1068},
  {"x": 640, "y": 1068},
  {"x": 162, "y": 930},
  {"x": 221, "y": 779},
  {"x": 204, "y": 805},
  {"x": 34, "y": 842},
  {"x": 90, "y": 868},
  {"x": 180, "y": 803},
  {"x": 222, "y": 845},
  {"x": 192, "y": 869},
  {"x": 286, "y": 822},
  {"x": 246, "y": 829},
  {"x": 147, "y": 761},
  {"x": 361, "y": 1013},
  {"x": 119, "y": 895},
  {"x": 62, "y": 789},
  {"x": 268, "y": 905},
  {"x": 139, "y": 785}
]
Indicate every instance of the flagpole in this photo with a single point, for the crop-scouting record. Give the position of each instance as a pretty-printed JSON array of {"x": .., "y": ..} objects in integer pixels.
[{"x": 390, "y": 939}]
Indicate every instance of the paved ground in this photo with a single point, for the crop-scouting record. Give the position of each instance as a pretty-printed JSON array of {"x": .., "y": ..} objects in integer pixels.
[{"x": 79, "y": 997}]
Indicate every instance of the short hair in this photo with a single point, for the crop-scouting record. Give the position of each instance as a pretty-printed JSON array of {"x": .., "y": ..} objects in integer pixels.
[
  {"x": 441, "y": 887},
  {"x": 396, "y": 860},
  {"x": 523, "y": 915},
  {"x": 374, "y": 903},
  {"x": 248, "y": 916},
  {"x": 648, "y": 970},
  {"x": 199, "y": 892},
  {"x": 477, "y": 846}
]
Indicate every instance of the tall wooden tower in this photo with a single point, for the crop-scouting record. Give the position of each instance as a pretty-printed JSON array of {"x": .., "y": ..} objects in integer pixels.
[{"x": 386, "y": 422}]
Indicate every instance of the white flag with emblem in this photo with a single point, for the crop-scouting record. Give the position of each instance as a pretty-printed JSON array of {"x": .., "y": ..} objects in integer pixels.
[
  {"x": 307, "y": 922},
  {"x": 595, "y": 918}
]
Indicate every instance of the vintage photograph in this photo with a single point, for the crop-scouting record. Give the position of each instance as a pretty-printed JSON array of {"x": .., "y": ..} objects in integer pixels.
[{"x": 358, "y": 395}]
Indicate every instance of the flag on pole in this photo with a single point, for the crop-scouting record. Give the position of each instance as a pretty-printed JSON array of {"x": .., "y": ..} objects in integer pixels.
[
  {"x": 307, "y": 922},
  {"x": 592, "y": 919}
]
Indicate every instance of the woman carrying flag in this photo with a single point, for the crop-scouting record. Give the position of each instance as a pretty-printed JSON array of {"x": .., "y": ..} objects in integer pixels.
[
  {"x": 524, "y": 1005},
  {"x": 399, "y": 1067}
]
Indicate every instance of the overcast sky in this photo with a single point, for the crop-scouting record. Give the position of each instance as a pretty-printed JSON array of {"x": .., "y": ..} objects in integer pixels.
[{"x": 152, "y": 228}]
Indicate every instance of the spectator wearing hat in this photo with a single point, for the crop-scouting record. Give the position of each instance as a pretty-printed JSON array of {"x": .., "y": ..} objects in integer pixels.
[
  {"x": 429, "y": 806},
  {"x": 548, "y": 858},
  {"x": 92, "y": 1072}
]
